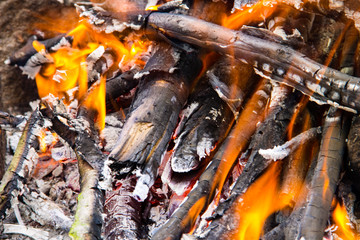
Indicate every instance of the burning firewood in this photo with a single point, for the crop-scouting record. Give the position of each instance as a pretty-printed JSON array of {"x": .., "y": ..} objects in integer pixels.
[
  {"x": 214, "y": 176},
  {"x": 201, "y": 148}
]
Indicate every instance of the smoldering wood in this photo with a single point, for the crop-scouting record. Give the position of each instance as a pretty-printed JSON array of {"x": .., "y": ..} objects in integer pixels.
[
  {"x": 15, "y": 174},
  {"x": 200, "y": 129},
  {"x": 326, "y": 176},
  {"x": 124, "y": 214},
  {"x": 354, "y": 150},
  {"x": 296, "y": 167},
  {"x": 289, "y": 146},
  {"x": 270, "y": 133},
  {"x": 288, "y": 229},
  {"x": 154, "y": 112},
  {"x": 212, "y": 179}
]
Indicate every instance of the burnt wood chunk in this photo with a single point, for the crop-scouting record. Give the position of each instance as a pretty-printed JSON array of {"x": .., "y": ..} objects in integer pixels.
[
  {"x": 154, "y": 113},
  {"x": 204, "y": 122}
]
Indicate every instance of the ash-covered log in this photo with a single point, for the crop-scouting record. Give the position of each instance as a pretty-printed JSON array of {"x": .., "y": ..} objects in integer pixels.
[{"x": 16, "y": 172}]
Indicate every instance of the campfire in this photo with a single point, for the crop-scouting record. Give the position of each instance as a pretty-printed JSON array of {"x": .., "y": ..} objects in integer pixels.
[{"x": 182, "y": 120}]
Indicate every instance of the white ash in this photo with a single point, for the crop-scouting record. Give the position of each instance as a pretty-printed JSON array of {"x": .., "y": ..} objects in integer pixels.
[
  {"x": 95, "y": 55},
  {"x": 62, "y": 153},
  {"x": 105, "y": 182},
  {"x": 204, "y": 147},
  {"x": 142, "y": 186},
  {"x": 34, "y": 104},
  {"x": 139, "y": 75},
  {"x": 172, "y": 70},
  {"x": 13, "y": 140},
  {"x": 215, "y": 113},
  {"x": 173, "y": 99},
  {"x": 278, "y": 94},
  {"x": 276, "y": 153},
  {"x": 111, "y": 135},
  {"x": 45, "y": 211}
]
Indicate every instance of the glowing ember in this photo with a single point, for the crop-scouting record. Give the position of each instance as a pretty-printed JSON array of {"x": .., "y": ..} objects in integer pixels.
[{"x": 344, "y": 229}]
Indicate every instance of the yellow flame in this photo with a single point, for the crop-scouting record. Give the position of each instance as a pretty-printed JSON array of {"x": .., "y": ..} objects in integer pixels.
[
  {"x": 96, "y": 101},
  {"x": 260, "y": 201},
  {"x": 42, "y": 142},
  {"x": 152, "y": 8},
  {"x": 258, "y": 12},
  {"x": 67, "y": 68},
  {"x": 340, "y": 217}
]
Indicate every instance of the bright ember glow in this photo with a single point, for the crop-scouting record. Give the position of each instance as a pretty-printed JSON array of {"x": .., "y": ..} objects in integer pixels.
[
  {"x": 260, "y": 200},
  {"x": 345, "y": 229},
  {"x": 152, "y": 8}
]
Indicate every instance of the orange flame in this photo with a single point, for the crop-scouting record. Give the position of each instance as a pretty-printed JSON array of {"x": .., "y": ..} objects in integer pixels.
[
  {"x": 96, "y": 101},
  {"x": 42, "y": 142},
  {"x": 67, "y": 67},
  {"x": 345, "y": 229},
  {"x": 260, "y": 201},
  {"x": 256, "y": 13}
]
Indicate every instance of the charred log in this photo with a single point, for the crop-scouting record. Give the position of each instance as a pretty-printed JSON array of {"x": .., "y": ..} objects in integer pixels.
[{"x": 124, "y": 218}]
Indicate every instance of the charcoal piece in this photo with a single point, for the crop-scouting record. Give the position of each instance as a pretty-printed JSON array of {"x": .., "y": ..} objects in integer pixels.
[{"x": 24, "y": 54}]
